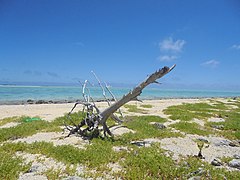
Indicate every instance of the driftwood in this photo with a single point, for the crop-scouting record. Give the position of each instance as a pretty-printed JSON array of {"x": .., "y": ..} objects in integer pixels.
[{"x": 94, "y": 116}]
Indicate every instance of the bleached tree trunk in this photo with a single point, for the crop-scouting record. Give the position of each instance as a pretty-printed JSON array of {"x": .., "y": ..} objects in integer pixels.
[{"x": 132, "y": 95}]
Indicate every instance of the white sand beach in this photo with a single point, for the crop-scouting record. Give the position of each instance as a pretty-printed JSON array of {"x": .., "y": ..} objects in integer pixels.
[{"x": 49, "y": 112}]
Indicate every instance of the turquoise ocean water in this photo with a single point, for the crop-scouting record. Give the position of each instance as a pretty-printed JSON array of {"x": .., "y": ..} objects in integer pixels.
[{"x": 60, "y": 93}]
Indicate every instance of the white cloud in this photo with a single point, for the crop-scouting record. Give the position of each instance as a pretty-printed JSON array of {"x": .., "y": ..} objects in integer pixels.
[
  {"x": 235, "y": 46},
  {"x": 167, "y": 58},
  {"x": 170, "y": 45},
  {"x": 212, "y": 63}
]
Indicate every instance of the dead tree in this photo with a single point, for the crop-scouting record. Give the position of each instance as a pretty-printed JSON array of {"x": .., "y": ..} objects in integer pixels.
[{"x": 94, "y": 117}]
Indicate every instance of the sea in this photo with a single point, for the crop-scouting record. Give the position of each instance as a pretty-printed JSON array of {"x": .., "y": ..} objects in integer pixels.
[{"x": 16, "y": 93}]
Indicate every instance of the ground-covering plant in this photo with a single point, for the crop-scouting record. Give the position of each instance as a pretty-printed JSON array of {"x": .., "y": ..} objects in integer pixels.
[
  {"x": 191, "y": 128},
  {"x": 98, "y": 153},
  {"x": 144, "y": 129},
  {"x": 187, "y": 112},
  {"x": 136, "y": 163},
  {"x": 10, "y": 119},
  {"x": 193, "y": 166},
  {"x": 11, "y": 166},
  {"x": 134, "y": 108},
  {"x": 25, "y": 129},
  {"x": 22, "y": 130},
  {"x": 149, "y": 163},
  {"x": 152, "y": 163},
  {"x": 146, "y": 105}
]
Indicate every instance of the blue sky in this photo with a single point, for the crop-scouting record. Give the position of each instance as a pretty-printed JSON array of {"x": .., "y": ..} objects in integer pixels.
[{"x": 121, "y": 40}]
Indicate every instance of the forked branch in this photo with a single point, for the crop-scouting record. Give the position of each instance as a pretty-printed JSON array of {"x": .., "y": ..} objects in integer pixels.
[{"x": 93, "y": 119}]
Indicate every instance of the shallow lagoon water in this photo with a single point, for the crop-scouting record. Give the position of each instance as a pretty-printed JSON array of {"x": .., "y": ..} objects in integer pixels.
[{"x": 24, "y": 93}]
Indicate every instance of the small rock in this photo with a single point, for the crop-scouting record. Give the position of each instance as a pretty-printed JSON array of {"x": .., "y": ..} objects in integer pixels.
[
  {"x": 218, "y": 118},
  {"x": 141, "y": 143},
  {"x": 195, "y": 178},
  {"x": 220, "y": 127},
  {"x": 41, "y": 102},
  {"x": 216, "y": 162},
  {"x": 120, "y": 148},
  {"x": 30, "y": 101},
  {"x": 32, "y": 176},
  {"x": 235, "y": 163},
  {"x": 200, "y": 171},
  {"x": 222, "y": 143},
  {"x": 203, "y": 140},
  {"x": 34, "y": 168},
  {"x": 138, "y": 143},
  {"x": 234, "y": 144},
  {"x": 73, "y": 178},
  {"x": 159, "y": 125},
  {"x": 236, "y": 156}
]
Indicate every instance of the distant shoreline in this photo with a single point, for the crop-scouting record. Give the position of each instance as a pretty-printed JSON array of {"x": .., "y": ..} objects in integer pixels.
[
  {"x": 64, "y": 101},
  {"x": 58, "y": 95}
]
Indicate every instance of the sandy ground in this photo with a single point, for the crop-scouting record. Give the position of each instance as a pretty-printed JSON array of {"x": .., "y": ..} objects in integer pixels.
[
  {"x": 179, "y": 146},
  {"x": 50, "y": 111}
]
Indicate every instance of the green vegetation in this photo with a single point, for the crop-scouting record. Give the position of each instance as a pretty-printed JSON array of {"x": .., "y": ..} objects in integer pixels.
[
  {"x": 10, "y": 119},
  {"x": 203, "y": 111},
  {"x": 152, "y": 163},
  {"x": 95, "y": 155},
  {"x": 25, "y": 129},
  {"x": 11, "y": 166},
  {"x": 226, "y": 159},
  {"x": 22, "y": 130},
  {"x": 187, "y": 112},
  {"x": 192, "y": 166},
  {"x": 134, "y": 108},
  {"x": 146, "y": 105},
  {"x": 149, "y": 163},
  {"x": 190, "y": 128},
  {"x": 136, "y": 163},
  {"x": 143, "y": 129}
]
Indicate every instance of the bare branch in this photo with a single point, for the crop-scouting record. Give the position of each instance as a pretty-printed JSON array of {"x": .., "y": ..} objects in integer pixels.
[
  {"x": 103, "y": 91},
  {"x": 93, "y": 119},
  {"x": 134, "y": 93},
  {"x": 110, "y": 92}
]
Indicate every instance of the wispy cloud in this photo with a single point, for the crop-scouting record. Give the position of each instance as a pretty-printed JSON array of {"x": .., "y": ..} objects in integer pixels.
[
  {"x": 167, "y": 58},
  {"x": 32, "y": 73},
  {"x": 236, "y": 46},
  {"x": 212, "y": 63},
  {"x": 171, "y": 49},
  {"x": 169, "y": 45},
  {"x": 52, "y": 74}
]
